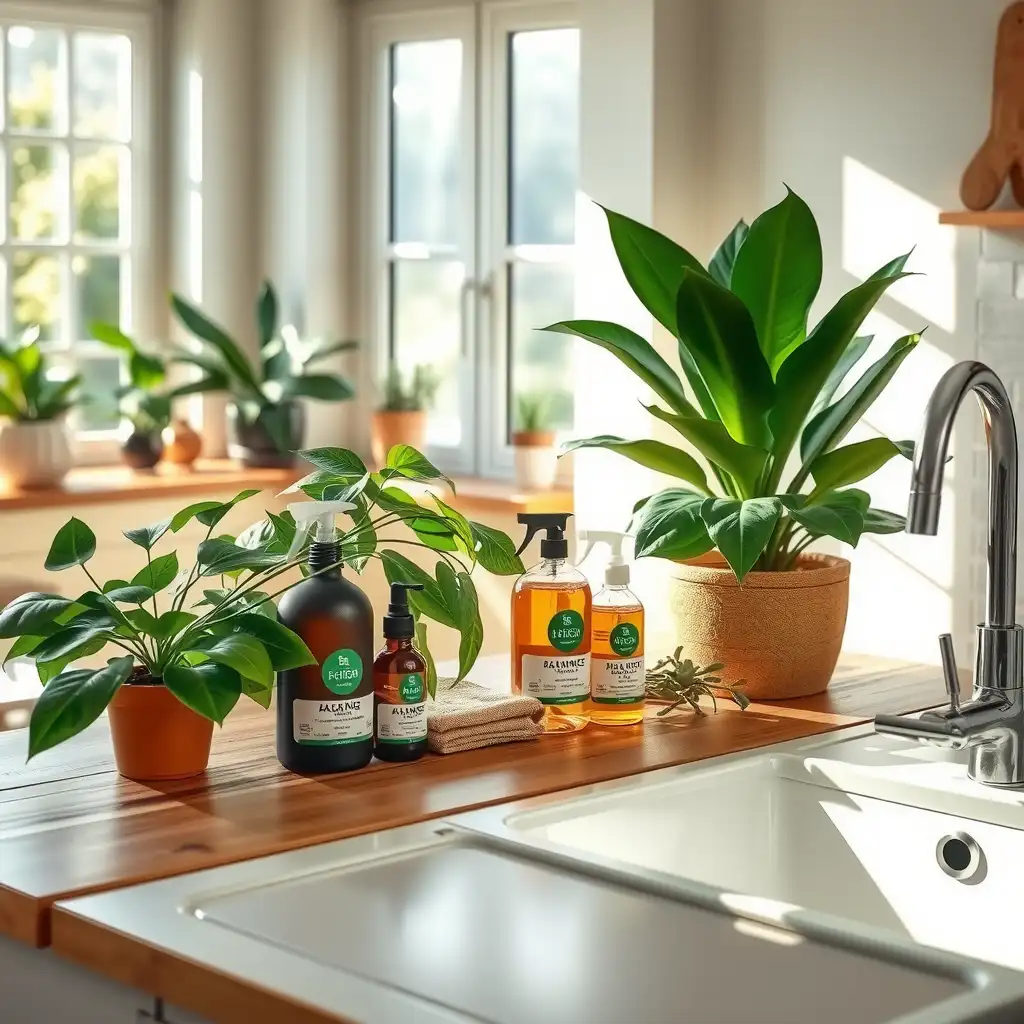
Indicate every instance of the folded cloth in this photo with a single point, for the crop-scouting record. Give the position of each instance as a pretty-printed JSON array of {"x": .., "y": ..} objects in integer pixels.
[{"x": 464, "y": 716}]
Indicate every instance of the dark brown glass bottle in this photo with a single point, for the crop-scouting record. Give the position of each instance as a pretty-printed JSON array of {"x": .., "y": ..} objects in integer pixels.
[
  {"x": 400, "y": 685},
  {"x": 325, "y": 711}
]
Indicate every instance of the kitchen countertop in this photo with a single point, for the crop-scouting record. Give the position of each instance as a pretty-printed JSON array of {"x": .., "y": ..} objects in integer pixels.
[{"x": 70, "y": 825}]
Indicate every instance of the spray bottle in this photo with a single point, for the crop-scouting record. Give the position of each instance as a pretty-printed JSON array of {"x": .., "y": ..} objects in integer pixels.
[
  {"x": 325, "y": 711},
  {"x": 551, "y": 605},
  {"x": 617, "y": 679}
]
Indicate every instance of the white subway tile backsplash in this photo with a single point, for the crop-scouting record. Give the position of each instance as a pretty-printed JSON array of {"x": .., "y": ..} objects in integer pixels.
[{"x": 1000, "y": 246}]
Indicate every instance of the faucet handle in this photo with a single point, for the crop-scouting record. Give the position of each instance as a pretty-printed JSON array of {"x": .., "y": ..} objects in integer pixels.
[{"x": 949, "y": 673}]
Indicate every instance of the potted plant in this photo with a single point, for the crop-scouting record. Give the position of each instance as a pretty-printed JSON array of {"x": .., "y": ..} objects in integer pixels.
[
  {"x": 34, "y": 401},
  {"x": 266, "y": 420},
  {"x": 185, "y": 658},
  {"x": 535, "y": 454},
  {"x": 402, "y": 415},
  {"x": 766, "y": 421}
]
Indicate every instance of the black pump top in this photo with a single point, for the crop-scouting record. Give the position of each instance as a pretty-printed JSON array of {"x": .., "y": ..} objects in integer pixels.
[
  {"x": 554, "y": 545},
  {"x": 399, "y": 623}
]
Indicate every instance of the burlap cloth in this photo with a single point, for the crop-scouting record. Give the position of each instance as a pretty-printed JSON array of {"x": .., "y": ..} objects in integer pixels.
[{"x": 464, "y": 716}]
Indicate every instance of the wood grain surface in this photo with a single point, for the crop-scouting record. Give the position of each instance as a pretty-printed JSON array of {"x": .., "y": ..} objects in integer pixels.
[{"x": 70, "y": 825}]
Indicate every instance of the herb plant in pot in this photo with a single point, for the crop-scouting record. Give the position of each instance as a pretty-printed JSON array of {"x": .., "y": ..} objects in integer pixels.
[
  {"x": 402, "y": 416},
  {"x": 34, "y": 402},
  {"x": 776, "y": 474},
  {"x": 266, "y": 418},
  {"x": 536, "y": 458}
]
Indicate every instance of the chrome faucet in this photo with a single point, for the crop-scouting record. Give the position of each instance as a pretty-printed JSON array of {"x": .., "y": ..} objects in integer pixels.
[{"x": 991, "y": 723}]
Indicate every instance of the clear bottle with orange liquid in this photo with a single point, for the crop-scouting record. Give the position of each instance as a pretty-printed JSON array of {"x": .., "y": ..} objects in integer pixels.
[
  {"x": 617, "y": 678},
  {"x": 551, "y": 609}
]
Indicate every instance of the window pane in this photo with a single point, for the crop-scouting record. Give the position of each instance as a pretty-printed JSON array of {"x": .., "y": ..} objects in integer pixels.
[
  {"x": 37, "y": 75},
  {"x": 35, "y": 291},
  {"x": 97, "y": 290},
  {"x": 38, "y": 184},
  {"x": 102, "y": 85},
  {"x": 100, "y": 379},
  {"x": 542, "y": 294},
  {"x": 426, "y": 82},
  {"x": 426, "y": 321},
  {"x": 544, "y": 158},
  {"x": 98, "y": 179}
]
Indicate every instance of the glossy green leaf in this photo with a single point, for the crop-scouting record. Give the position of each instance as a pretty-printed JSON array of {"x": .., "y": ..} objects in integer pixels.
[
  {"x": 23, "y": 647},
  {"x": 496, "y": 551},
  {"x": 286, "y": 649},
  {"x": 186, "y": 515},
  {"x": 145, "y": 371},
  {"x": 851, "y": 463},
  {"x": 201, "y": 385},
  {"x": 48, "y": 670},
  {"x": 130, "y": 595},
  {"x": 72, "y": 702},
  {"x": 206, "y": 330},
  {"x": 338, "y": 461},
  {"x": 324, "y": 387},
  {"x": 73, "y": 545},
  {"x": 877, "y": 520},
  {"x": 112, "y": 336},
  {"x": 429, "y": 601},
  {"x": 31, "y": 613},
  {"x": 653, "y": 454},
  {"x": 458, "y": 524},
  {"x": 839, "y": 514},
  {"x": 669, "y": 525},
  {"x": 359, "y": 543},
  {"x": 777, "y": 275},
  {"x": 256, "y": 536},
  {"x": 266, "y": 314},
  {"x": 143, "y": 620},
  {"x": 217, "y": 556},
  {"x": 722, "y": 263},
  {"x": 404, "y": 460},
  {"x": 210, "y": 689},
  {"x": 72, "y": 638},
  {"x": 257, "y": 692},
  {"x": 158, "y": 574},
  {"x": 741, "y": 529},
  {"x": 847, "y": 361},
  {"x": 147, "y": 536},
  {"x": 471, "y": 627},
  {"x": 319, "y": 351},
  {"x": 245, "y": 654},
  {"x": 172, "y": 622},
  {"x": 423, "y": 646},
  {"x": 212, "y": 516}
]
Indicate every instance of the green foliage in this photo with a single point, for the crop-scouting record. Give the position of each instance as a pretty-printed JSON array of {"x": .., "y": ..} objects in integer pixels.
[
  {"x": 29, "y": 390},
  {"x": 211, "y": 650},
  {"x": 677, "y": 681},
  {"x": 533, "y": 412},
  {"x": 763, "y": 385},
  {"x": 412, "y": 395}
]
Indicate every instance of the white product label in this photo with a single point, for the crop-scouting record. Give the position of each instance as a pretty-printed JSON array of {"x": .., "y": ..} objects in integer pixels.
[
  {"x": 332, "y": 722},
  {"x": 401, "y": 723},
  {"x": 617, "y": 680},
  {"x": 557, "y": 678}
]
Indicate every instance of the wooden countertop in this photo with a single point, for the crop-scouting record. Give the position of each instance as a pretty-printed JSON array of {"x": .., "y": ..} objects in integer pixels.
[{"x": 70, "y": 825}]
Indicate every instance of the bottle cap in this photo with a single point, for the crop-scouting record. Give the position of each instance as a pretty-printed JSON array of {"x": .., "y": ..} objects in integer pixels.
[
  {"x": 554, "y": 545},
  {"x": 316, "y": 516},
  {"x": 399, "y": 623},
  {"x": 616, "y": 573}
]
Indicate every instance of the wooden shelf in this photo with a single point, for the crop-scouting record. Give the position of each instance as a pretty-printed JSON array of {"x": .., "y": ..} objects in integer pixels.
[{"x": 983, "y": 218}]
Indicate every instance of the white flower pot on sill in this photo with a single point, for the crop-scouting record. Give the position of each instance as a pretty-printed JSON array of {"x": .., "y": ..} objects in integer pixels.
[
  {"x": 34, "y": 453},
  {"x": 536, "y": 460}
]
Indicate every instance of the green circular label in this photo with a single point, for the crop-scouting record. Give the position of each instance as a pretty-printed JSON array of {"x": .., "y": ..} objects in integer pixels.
[
  {"x": 342, "y": 672},
  {"x": 565, "y": 630},
  {"x": 624, "y": 639},
  {"x": 411, "y": 688}
]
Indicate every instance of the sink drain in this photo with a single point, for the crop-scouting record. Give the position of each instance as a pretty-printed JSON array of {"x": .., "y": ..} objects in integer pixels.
[{"x": 960, "y": 857}]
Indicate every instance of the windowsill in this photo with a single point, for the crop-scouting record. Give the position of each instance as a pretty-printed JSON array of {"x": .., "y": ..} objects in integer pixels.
[
  {"x": 100, "y": 484},
  {"x": 503, "y": 496}
]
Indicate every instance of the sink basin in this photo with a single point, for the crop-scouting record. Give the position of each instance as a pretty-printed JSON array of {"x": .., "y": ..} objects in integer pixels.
[{"x": 860, "y": 828}]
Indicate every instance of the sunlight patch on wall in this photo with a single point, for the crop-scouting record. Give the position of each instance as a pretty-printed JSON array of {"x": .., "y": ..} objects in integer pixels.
[{"x": 882, "y": 219}]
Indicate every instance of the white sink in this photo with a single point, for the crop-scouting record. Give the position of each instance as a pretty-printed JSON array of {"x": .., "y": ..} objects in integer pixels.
[{"x": 849, "y": 829}]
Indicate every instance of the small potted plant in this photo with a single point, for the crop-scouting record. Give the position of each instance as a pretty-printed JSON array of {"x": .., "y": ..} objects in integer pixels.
[
  {"x": 535, "y": 454},
  {"x": 774, "y": 473},
  {"x": 402, "y": 415},
  {"x": 266, "y": 419},
  {"x": 34, "y": 402}
]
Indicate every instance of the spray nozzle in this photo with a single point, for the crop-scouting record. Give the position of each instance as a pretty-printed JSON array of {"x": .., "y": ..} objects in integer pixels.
[
  {"x": 554, "y": 545},
  {"x": 617, "y": 571},
  {"x": 399, "y": 623},
  {"x": 316, "y": 516}
]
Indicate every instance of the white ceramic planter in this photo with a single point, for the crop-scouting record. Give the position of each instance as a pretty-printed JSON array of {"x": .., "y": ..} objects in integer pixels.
[
  {"x": 536, "y": 467},
  {"x": 34, "y": 454}
]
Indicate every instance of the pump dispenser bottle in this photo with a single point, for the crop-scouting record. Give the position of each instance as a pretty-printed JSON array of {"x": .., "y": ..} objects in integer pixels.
[
  {"x": 617, "y": 679},
  {"x": 400, "y": 684},
  {"x": 551, "y": 605},
  {"x": 325, "y": 711}
]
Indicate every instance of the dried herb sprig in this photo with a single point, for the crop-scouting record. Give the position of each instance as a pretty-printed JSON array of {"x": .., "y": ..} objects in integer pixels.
[{"x": 681, "y": 682}]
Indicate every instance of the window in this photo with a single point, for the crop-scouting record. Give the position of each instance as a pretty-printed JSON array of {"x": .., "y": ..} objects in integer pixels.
[
  {"x": 473, "y": 177},
  {"x": 69, "y": 152}
]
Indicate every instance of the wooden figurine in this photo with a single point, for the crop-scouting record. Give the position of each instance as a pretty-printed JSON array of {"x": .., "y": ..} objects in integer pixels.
[{"x": 1002, "y": 153}]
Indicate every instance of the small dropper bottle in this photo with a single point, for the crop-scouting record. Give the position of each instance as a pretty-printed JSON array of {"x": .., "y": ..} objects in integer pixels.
[{"x": 400, "y": 685}]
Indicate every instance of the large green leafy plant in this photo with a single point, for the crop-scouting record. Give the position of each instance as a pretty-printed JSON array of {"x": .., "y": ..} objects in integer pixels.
[
  {"x": 763, "y": 392},
  {"x": 209, "y": 631},
  {"x": 29, "y": 390},
  {"x": 284, "y": 372}
]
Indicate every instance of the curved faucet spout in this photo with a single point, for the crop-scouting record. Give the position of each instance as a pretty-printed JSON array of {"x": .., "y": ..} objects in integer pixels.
[{"x": 930, "y": 461}]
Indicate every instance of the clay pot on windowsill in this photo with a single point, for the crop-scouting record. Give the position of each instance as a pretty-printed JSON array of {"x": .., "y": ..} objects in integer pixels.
[
  {"x": 389, "y": 428},
  {"x": 182, "y": 445},
  {"x": 156, "y": 737},
  {"x": 34, "y": 453},
  {"x": 536, "y": 459},
  {"x": 779, "y": 632},
  {"x": 142, "y": 450}
]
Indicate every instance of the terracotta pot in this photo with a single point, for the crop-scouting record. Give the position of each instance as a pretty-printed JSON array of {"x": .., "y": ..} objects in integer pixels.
[
  {"x": 142, "y": 450},
  {"x": 779, "y": 631},
  {"x": 34, "y": 453},
  {"x": 536, "y": 459},
  {"x": 252, "y": 444},
  {"x": 155, "y": 736},
  {"x": 391, "y": 428},
  {"x": 182, "y": 445}
]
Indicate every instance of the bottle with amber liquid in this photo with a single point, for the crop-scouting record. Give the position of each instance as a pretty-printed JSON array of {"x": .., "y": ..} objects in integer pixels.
[
  {"x": 400, "y": 685},
  {"x": 551, "y": 628}
]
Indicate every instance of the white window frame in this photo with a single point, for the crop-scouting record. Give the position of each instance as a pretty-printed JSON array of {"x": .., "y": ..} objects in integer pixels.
[
  {"x": 484, "y": 28},
  {"x": 137, "y": 20}
]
